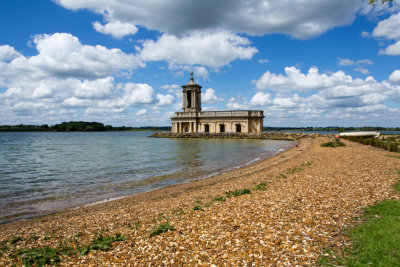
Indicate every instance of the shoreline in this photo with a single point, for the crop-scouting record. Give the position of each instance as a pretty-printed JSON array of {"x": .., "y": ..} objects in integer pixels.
[{"x": 312, "y": 203}]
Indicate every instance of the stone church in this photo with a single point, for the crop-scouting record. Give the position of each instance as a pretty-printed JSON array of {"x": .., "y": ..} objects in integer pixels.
[{"x": 193, "y": 120}]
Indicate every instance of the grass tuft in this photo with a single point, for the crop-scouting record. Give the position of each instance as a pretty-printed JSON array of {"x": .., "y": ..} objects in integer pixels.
[
  {"x": 237, "y": 193},
  {"x": 219, "y": 198},
  {"x": 336, "y": 143},
  {"x": 260, "y": 186},
  {"x": 162, "y": 228},
  {"x": 43, "y": 256},
  {"x": 16, "y": 239},
  {"x": 198, "y": 207},
  {"x": 396, "y": 186},
  {"x": 134, "y": 226},
  {"x": 100, "y": 243}
]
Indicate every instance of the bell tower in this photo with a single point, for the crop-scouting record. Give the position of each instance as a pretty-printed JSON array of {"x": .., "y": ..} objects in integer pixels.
[{"x": 191, "y": 96}]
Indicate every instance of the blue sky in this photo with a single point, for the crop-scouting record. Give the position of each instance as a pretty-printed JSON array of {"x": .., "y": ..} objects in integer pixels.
[{"x": 305, "y": 63}]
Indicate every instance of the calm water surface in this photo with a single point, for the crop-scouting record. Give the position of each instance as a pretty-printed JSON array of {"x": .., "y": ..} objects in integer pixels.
[{"x": 44, "y": 172}]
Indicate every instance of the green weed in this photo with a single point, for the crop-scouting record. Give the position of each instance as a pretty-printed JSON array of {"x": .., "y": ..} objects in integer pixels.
[
  {"x": 16, "y": 239},
  {"x": 306, "y": 164},
  {"x": 219, "y": 198},
  {"x": 43, "y": 256},
  {"x": 281, "y": 175},
  {"x": 3, "y": 247},
  {"x": 237, "y": 193},
  {"x": 336, "y": 143},
  {"x": 260, "y": 186},
  {"x": 100, "y": 243},
  {"x": 78, "y": 235},
  {"x": 162, "y": 228},
  {"x": 33, "y": 237},
  {"x": 198, "y": 207},
  {"x": 293, "y": 170},
  {"x": 208, "y": 204},
  {"x": 396, "y": 186},
  {"x": 134, "y": 226}
]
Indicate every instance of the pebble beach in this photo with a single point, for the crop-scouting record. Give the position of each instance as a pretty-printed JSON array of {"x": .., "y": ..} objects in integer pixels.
[{"x": 306, "y": 197}]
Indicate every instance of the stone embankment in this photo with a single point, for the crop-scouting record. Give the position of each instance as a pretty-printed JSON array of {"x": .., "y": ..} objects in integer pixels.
[{"x": 263, "y": 135}]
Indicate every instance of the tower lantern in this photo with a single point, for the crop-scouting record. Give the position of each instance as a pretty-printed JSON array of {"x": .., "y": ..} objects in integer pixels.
[{"x": 191, "y": 96}]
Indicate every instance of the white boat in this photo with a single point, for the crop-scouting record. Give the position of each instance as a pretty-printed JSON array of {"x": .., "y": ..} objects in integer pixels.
[{"x": 361, "y": 134}]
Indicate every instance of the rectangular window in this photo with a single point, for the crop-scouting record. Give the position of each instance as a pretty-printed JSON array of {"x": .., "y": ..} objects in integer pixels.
[{"x": 189, "y": 99}]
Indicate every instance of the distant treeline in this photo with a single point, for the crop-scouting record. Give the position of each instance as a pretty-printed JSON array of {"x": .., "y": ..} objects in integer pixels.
[
  {"x": 332, "y": 129},
  {"x": 76, "y": 126},
  {"x": 83, "y": 126}
]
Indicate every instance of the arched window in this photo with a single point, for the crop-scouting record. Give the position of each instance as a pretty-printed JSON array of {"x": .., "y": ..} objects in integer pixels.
[
  {"x": 221, "y": 128},
  {"x": 207, "y": 128},
  {"x": 186, "y": 129}
]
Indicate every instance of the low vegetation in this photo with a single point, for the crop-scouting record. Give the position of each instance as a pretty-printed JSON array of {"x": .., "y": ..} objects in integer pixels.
[
  {"x": 375, "y": 240},
  {"x": 162, "y": 228},
  {"x": 100, "y": 243},
  {"x": 219, "y": 198},
  {"x": 237, "y": 193},
  {"x": 290, "y": 171},
  {"x": 260, "y": 186},
  {"x": 43, "y": 256},
  {"x": 134, "y": 226},
  {"x": 390, "y": 143},
  {"x": 336, "y": 143}
]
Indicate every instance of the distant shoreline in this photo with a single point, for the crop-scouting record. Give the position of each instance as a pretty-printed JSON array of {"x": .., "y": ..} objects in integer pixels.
[{"x": 83, "y": 126}]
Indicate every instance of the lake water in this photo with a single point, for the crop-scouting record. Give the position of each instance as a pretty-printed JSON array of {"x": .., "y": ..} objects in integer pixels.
[{"x": 44, "y": 172}]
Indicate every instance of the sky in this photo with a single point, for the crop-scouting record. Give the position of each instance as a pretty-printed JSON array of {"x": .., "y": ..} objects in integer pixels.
[{"x": 121, "y": 62}]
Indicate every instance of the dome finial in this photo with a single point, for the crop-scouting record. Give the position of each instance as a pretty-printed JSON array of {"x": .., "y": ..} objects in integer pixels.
[{"x": 191, "y": 77}]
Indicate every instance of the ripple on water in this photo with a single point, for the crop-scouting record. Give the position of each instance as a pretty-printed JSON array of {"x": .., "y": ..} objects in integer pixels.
[{"x": 44, "y": 172}]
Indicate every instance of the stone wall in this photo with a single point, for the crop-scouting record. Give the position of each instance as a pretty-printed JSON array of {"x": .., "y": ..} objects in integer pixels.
[{"x": 263, "y": 135}]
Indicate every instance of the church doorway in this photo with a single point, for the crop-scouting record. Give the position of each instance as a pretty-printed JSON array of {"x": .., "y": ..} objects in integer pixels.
[
  {"x": 221, "y": 128},
  {"x": 238, "y": 128},
  {"x": 207, "y": 128}
]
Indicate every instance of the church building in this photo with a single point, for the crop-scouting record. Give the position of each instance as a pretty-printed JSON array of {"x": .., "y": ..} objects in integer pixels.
[{"x": 193, "y": 120}]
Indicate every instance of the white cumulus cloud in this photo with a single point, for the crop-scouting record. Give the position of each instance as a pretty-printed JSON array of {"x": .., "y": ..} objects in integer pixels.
[
  {"x": 261, "y": 99},
  {"x": 209, "y": 49},
  {"x": 395, "y": 77},
  {"x": 164, "y": 100},
  {"x": 8, "y": 53},
  {"x": 116, "y": 28},
  {"x": 209, "y": 96},
  {"x": 337, "y": 98},
  {"x": 294, "y": 80},
  {"x": 389, "y": 29}
]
